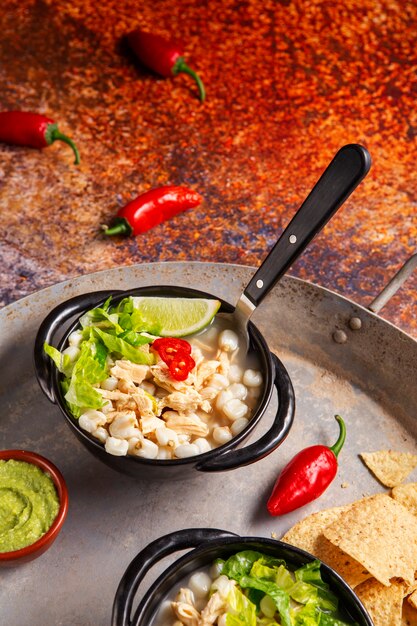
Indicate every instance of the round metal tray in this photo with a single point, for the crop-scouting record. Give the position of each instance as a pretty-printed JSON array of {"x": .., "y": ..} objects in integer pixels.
[{"x": 369, "y": 379}]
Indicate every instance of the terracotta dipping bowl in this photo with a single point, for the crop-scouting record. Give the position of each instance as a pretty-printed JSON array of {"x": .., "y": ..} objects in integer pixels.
[{"x": 10, "y": 559}]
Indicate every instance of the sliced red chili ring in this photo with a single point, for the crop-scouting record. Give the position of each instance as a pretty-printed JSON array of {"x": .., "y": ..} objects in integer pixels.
[
  {"x": 169, "y": 348},
  {"x": 181, "y": 366}
]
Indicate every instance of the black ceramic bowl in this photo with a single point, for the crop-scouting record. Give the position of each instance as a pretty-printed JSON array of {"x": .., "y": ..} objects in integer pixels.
[
  {"x": 62, "y": 320},
  {"x": 210, "y": 544}
]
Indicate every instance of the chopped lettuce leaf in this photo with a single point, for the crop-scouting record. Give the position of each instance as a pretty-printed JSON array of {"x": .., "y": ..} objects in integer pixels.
[
  {"x": 62, "y": 361},
  {"x": 132, "y": 353},
  {"x": 310, "y": 573},
  {"x": 283, "y": 578},
  {"x": 259, "y": 570},
  {"x": 279, "y": 596},
  {"x": 136, "y": 339},
  {"x": 240, "y": 564},
  {"x": 87, "y": 371},
  {"x": 303, "y": 592},
  {"x": 240, "y": 610}
]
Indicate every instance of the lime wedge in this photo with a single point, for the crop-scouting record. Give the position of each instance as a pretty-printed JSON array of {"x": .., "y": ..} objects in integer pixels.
[{"x": 175, "y": 317}]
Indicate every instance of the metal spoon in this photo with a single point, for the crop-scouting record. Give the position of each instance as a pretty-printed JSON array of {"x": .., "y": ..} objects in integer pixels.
[{"x": 349, "y": 166}]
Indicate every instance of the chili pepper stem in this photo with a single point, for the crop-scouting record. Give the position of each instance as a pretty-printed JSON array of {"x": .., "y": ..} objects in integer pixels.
[
  {"x": 342, "y": 436},
  {"x": 120, "y": 227},
  {"x": 56, "y": 135},
  {"x": 181, "y": 66}
]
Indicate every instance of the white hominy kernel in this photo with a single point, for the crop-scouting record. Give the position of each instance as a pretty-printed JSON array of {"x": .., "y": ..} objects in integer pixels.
[
  {"x": 72, "y": 352},
  {"x": 222, "y": 584},
  {"x": 222, "y": 398},
  {"x": 185, "y": 450},
  {"x": 222, "y": 434},
  {"x": 107, "y": 406},
  {"x": 235, "y": 408},
  {"x": 238, "y": 390},
  {"x": 91, "y": 420},
  {"x": 149, "y": 450},
  {"x": 183, "y": 438},
  {"x": 228, "y": 340},
  {"x": 268, "y": 607},
  {"x": 235, "y": 373},
  {"x": 148, "y": 387},
  {"x": 166, "y": 436},
  {"x": 117, "y": 447},
  {"x": 216, "y": 569},
  {"x": 200, "y": 584},
  {"x": 202, "y": 444},
  {"x": 101, "y": 434},
  {"x": 218, "y": 381},
  {"x": 75, "y": 338},
  {"x": 222, "y": 620},
  {"x": 164, "y": 453},
  {"x": 109, "y": 384},
  {"x": 252, "y": 378},
  {"x": 238, "y": 425},
  {"x": 135, "y": 444}
]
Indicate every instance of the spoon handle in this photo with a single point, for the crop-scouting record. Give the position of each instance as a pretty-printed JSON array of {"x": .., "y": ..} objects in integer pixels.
[{"x": 340, "y": 178}]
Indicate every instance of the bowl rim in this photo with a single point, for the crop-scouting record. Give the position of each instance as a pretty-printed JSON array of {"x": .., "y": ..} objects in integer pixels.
[{"x": 50, "y": 469}]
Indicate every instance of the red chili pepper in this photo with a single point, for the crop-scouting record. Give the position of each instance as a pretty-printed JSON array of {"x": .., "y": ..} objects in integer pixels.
[
  {"x": 22, "y": 128},
  {"x": 151, "y": 208},
  {"x": 169, "y": 348},
  {"x": 163, "y": 56},
  {"x": 181, "y": 366},
  {"x": 176, "y": 353},
  {"x": 306, "y": 476}
]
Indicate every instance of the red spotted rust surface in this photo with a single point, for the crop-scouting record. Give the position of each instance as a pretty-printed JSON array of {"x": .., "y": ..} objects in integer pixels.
[{"x": 288, "y": 83}]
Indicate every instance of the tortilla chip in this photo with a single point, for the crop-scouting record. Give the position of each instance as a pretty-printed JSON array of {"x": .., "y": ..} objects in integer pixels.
[
  {"x": 308, "y": 535},
  {"x": 412, "y": 598},
  {"x": 381, "y": 534},
  {"x": 388, "y": 466},
  {"x": 407, "y": 495},
  {"x": 384, "y": 604},
  {"x": 409, "y": 616}
]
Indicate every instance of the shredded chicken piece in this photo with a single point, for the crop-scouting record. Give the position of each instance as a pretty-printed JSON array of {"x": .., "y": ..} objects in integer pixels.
[
  {"x": 144, "y": 403},
  {"x": 188, "y": 615},
  {"x": 224, "y": 363},
  {"x": 132, "y": 372},
  {"x": 213, "y": 609},
  {"x": 127, "y": 386},
  {"x": 149, "y": 423},
  {"x": 164, "y": 379},
  {"x": 184, "y": 608},
  {"x": 204, "y": 371},
  {"x": 189, "y": 400},
  {"x": 186, "y": 423}
]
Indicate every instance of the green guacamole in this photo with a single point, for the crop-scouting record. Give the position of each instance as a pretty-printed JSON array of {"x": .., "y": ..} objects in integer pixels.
[{"x": 28, "y": 504}]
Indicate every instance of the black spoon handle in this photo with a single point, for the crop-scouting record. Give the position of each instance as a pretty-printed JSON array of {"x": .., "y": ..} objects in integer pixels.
[{"x": 341, "y": 177}]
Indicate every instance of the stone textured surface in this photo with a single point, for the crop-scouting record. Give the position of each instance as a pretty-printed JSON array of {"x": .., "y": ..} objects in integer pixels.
[{"x": 288, "y": 83}]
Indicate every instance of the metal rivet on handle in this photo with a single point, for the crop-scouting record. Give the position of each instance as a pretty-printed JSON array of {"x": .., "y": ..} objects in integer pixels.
[
  {"x": 292, "y": 239},
  {"x": 259, "y": 283}
]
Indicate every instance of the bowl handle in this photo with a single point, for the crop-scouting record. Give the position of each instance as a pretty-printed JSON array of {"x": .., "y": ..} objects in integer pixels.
[
  {"x": 147, "y": 558},
  {"x": 280, "y": 427},
  {"x": 49, "y": 327}
]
